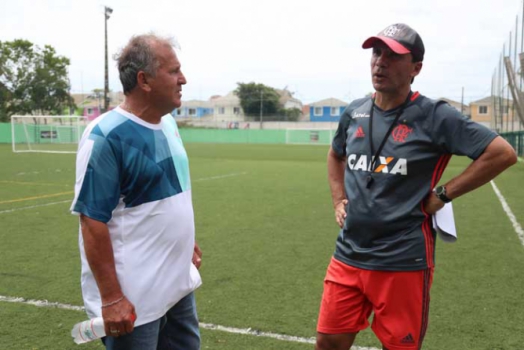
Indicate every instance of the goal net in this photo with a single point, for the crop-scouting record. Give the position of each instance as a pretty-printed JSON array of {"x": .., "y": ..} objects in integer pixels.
[
  {"x": 49, "y": 134},
  {"x": 309, "y": 136}
]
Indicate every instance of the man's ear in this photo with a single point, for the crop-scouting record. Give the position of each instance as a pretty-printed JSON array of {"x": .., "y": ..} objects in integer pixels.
[
  {"x": 142, "y": 81},
  {"x": 416, "y": 70}
]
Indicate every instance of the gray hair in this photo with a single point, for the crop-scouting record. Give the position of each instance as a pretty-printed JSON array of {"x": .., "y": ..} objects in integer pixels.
[{"x": 140, "y": 55}]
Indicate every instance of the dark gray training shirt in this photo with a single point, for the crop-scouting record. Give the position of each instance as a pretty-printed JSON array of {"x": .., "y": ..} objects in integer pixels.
[{"x": 386, "y": 227}]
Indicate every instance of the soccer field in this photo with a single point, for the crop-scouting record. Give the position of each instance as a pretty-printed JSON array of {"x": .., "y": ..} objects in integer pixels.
[{"x": 265, "y": 224}]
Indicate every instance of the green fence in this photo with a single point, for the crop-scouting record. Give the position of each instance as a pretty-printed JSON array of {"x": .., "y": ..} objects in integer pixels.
[
  {"x": 5, "y": 133},
  {"x": 40, "y": 133},
  {"x": 516, "y": 139},
  {"x": 44, "y": 135},
  {"x": 232, "y": 136},
  {"x": 292, "y": 136}
]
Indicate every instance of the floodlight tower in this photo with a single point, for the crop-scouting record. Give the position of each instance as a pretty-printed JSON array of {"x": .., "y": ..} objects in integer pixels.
[{"x": 107, "y": 13}]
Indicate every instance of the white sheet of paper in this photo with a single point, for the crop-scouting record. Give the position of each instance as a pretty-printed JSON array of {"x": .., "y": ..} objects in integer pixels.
[{"x": 444, "y": 224}]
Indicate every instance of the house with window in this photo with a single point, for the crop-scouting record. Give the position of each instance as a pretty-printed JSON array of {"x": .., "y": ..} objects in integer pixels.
[
  {"x": 482, "y": 111},
  {"x": 287, "y": 101},
  {"x": 194, "y": 109},
  {"x": 227, "y": 108},
  {"x": 91, "y": 105},
  {"x": 328, "y": 110}
]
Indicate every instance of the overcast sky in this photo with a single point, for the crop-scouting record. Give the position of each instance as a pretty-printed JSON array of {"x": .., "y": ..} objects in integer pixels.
[{"x": 312, "y": 47}]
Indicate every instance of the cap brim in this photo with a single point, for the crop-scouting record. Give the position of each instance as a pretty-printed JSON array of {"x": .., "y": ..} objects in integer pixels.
[{"x": 394, "y": 45}]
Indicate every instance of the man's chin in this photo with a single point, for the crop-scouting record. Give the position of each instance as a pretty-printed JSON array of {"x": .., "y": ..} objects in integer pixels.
[{"x": 380, "y": 87}]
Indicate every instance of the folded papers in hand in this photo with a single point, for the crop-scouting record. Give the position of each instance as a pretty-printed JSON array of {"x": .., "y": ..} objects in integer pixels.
[{"x": 444, "y": 224}]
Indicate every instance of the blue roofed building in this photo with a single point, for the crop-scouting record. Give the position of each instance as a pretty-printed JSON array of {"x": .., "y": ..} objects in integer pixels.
[
  {"x": 328, "y": 110},
  {"x": 194, "y": 109}
]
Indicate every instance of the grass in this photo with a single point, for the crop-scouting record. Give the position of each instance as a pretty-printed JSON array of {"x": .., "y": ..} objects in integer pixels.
[{"x": 265, "y": 224}]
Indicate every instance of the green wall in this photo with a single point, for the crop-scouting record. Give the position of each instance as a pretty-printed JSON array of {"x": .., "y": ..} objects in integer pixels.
[
  {"x": 516, "y": 139},
  {"x": 5, "y": 133},
  {"x": 188, "y": 135},
  {"x": 34, "y": 133},
  {"x": 257, "y": 136},
  {"x": 233, "y": 136}
]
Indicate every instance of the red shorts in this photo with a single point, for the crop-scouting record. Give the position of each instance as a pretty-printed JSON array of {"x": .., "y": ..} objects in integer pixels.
[{"x": 399, "y": 301}]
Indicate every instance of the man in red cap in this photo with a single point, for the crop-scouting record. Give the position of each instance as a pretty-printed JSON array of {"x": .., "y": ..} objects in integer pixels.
[{"x": 384, "y": 166}]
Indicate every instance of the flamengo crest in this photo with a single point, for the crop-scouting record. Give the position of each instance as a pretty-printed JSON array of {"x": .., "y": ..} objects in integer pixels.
[
  {"x": 391, "y": 31},
  {"x": 401, "y": 132}
]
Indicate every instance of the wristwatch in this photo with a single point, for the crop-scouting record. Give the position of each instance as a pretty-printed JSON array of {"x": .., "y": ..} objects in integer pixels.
[{"x": 440, "y": 192}]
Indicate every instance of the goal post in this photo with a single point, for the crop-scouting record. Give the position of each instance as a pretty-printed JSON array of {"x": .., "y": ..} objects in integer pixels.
[
  {"x": 309, "y": 136},
  {"x": 47, "y": 134}
]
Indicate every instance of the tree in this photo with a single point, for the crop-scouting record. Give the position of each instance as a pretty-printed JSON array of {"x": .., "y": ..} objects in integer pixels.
[
  {"x": 4, "y": 96},
  {"x": 98, "y": 94},
  {"x": 32, "y": 80},
  {"x": 291, "y": 114},
  {"x": 253, "y": 96}
]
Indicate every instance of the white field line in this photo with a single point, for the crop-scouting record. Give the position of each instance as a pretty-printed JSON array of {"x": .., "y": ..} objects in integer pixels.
[
  {"x": 509, "y": 213},
  {"x": 245, "y": 331},
  {"x": 219, "y": 177},
  {"x": 41, "y": 303},
  {"x": 256, "y": 333},
  {"x": 249, "y": 331},
  {"x": 33, "y": 206}
]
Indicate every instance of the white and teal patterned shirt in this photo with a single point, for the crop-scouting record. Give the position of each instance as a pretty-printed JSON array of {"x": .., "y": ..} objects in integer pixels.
[{"x": 134, "y": 176}]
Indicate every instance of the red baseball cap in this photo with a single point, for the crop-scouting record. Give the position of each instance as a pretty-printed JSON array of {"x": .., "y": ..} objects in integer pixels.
[{"x": 401, "y": 39}]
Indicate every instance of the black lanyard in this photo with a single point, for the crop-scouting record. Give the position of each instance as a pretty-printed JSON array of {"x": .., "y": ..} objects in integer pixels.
[{"x": 372, "y": 166}]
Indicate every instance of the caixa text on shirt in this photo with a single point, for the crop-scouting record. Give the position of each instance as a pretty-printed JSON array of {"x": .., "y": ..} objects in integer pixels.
[{"x": 387, "y": 165}]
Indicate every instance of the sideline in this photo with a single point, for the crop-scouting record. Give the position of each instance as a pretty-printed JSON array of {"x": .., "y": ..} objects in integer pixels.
[
  {"x": 516, "y": 226},
  {"x": 209, "y": 326}
]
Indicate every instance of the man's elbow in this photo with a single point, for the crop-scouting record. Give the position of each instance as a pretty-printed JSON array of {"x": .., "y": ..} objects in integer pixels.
[
  {"x": 508, "y": 156},
  {"x": 501, "y": 154}
]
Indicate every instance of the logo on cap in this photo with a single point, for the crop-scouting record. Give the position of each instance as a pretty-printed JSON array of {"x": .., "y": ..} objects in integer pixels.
[{"x": 391, "y": 30}]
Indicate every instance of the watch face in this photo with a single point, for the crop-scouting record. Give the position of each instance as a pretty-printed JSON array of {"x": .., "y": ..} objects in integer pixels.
[{"x": 440, "y": 192}]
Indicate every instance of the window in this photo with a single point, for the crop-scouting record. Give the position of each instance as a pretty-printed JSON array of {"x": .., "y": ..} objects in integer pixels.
[
  {"x": 317, "y": 111},
  {"x": 90, "y": 111},
  {"x": 334, "y": 111},
  {"x": 236, "y": 110},
  {"x": 483, "y": 109},
  {"x": 192, "y": 111},
  {"x": 221, "y": 110},
  {"x": 506, "y": 109}
]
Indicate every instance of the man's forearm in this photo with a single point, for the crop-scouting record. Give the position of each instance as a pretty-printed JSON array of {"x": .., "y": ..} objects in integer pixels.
[
  {"x": 335, "y": 166},
  {"x": 99, "y": 254},
  {"x": 497, "y": 157}
]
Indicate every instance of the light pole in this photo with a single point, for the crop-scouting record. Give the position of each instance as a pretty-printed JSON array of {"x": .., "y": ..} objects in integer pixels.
[{"x": 107, "y": 13}]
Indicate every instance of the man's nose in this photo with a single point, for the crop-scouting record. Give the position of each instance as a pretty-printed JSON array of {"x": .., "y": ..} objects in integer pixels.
[
  {"x": 382, "y": 59},
  {"x": 182, "y": 80}
]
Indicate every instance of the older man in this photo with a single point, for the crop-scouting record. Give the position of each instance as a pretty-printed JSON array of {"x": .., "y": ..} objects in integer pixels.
[
  {"x": 133, "y": 195},
  {"x": 384, "y": 166}
]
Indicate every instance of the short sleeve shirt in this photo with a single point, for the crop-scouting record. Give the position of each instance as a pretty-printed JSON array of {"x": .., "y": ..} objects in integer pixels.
[
  {"x": 386, "y": 227},
  {"x": 134, "y": 176}
]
